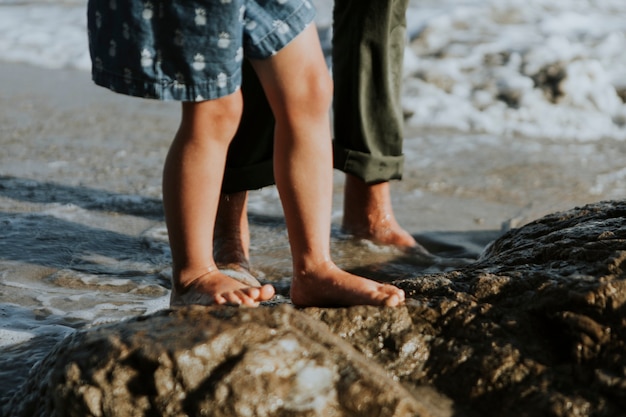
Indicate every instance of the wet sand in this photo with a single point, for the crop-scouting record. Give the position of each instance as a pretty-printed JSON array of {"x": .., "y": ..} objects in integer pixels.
[
  {"x": 83, "y": 239},
  {"x": 58, "y": 127},
  {"x": 459, "y": 190}
]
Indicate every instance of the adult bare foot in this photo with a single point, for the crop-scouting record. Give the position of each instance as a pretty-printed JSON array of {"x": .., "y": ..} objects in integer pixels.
[
  {"x": 368, "y": 214},
  {"x": 215, "y": 287},
  {"x": 330, "y": 286}
]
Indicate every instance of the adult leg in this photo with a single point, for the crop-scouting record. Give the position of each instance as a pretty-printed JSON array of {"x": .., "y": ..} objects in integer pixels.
[
  {"x": 368, "y": 49},
  {"x": 192, "y": 179},
  {"x": 231, "y": 238},
  {"x": 249, "y": 166},
  {"x": 299, "y": 89}
]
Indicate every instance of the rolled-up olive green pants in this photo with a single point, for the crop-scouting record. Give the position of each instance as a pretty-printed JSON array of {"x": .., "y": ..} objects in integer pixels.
[{"x": 368, "y": 49}]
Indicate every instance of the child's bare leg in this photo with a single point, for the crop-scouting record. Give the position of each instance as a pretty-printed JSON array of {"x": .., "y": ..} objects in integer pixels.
[
  {"x": 192, "y": 179},
  {"x": 299, "y": 89}
]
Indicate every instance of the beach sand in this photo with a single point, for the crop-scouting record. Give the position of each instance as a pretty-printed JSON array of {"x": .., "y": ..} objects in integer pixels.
[
  {"x": 458, "y": 189},
  {"x": 83, "y": 239},
  {"x": 59, "y": 127}
]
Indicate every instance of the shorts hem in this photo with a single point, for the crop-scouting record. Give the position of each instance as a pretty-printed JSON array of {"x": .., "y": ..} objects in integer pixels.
[
  {"x": 166, "y": 89},
  {"x": 274, "y": 41}
]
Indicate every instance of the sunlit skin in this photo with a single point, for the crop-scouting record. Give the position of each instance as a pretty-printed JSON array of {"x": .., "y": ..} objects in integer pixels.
[
  {"x": 328, "y": 286},
  {"x": 368, "y": 214},
  {"x": 192, "y": 178},
  {"x": 232, "y": 233},
  {"x": 299, "y": 89}
]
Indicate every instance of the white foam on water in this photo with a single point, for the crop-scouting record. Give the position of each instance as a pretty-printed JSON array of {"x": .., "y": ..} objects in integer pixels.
[
  {"x": 45, "y": 33},
  {"x": 10, "y": 337},
  {"x": 478, "y": 67},
  {"x": 25, "y": 324},
  {"x": 472, "y": 66}
]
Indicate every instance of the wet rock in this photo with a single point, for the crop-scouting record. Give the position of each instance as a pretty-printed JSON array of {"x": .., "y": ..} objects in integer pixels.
[
  {"x": 535, "y": 327},
  {"x": 212, "y": 362}
]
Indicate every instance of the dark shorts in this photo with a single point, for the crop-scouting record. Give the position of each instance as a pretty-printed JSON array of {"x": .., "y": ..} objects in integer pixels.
[{"x": 186, "y": 50}]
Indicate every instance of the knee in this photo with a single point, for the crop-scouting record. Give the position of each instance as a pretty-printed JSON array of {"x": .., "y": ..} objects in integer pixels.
[
  {"x": 310, "y": 96},
  {"x": 224, "y": 112},
  {"x": 318, "y": 91},
  {"x": 209, "y": 117}
]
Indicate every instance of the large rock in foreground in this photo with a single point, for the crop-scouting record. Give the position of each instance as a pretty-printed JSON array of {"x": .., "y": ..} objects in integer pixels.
[
  {"x": 536, "y": 327},
  {"x": 212, "y": 362}
]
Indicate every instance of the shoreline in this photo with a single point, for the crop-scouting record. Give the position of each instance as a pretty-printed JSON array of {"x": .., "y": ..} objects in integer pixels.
[
  {"x": 84, "y": 241},
  {"x": 60, "y": 128}
]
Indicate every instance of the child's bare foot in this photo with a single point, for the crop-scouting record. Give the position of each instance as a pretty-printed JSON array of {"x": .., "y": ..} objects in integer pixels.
[
  {"x": 368, "y": 214},
  {"x": 216, "y": 287},
  {"x": 329, "y": 286}
]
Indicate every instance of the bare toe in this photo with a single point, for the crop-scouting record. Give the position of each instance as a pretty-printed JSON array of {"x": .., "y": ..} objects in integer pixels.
[
  {"x": 395, "y": 300},
  {"x": 221, "y": 289}
]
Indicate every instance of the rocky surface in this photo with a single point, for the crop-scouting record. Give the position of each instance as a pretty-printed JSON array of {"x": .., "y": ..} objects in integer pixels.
[
  {"x": 213, "y": 362},
  {"x": 535, "y": 327}
]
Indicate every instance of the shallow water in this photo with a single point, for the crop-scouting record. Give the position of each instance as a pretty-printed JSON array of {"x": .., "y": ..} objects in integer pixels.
[
  {"x": 82, "y": 238},
  {"x": 67, "y": 265}
]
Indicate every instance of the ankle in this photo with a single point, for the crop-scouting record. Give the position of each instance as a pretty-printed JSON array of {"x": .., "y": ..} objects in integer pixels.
[
  {"x": 185, "y": 277},
  {"x": 310, "y": 268},
  {"x": 230, "y": 251},
  {"x": 231, "y": 237},
  {"x": 368, "y": 214}
]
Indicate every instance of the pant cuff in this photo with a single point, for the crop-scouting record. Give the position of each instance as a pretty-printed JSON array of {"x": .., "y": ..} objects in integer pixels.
[{"x": 368, "y": 167}]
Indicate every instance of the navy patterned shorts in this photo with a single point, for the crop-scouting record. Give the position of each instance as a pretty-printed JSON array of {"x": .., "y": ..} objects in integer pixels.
[{"x": 187, "y": 50}]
